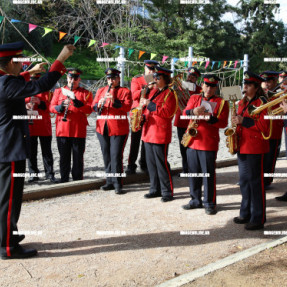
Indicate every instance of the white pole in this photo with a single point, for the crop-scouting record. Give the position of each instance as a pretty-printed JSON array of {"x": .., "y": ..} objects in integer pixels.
[
  {"x": 190, "y": 55},
  {"x": 172, "y": 66},
  {"x": 121, "y": 63},
  {"x": 245, "y": 63}
]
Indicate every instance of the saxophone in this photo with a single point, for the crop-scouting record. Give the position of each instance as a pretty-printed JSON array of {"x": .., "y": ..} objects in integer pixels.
[
  {"x": 190, "y": 132},
  {"x": 136, "y": 113},
  {"x": 232, "y": 139}
]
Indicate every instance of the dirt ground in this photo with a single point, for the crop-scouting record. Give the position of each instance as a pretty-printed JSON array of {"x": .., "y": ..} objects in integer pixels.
[
  {"x": 267, "y": 268},
  {"x": 98, "y": 238}
]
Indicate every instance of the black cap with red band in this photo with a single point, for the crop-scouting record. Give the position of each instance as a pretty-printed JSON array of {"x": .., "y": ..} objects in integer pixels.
[
  {"x": 269, "y": 75},
  {"x": 193, "y": 71},
  {"x": 283, "y": 74},
  {"x": 74, "y": 73},
  {"x": 151, "y": 64},
  {"x": 12, "y": 49},
  {"x": 162, "y": 71},
  {"x": 211, "y": 80},
  {"x": 252, "y": 78},
  {"x": 111, "y": 73}
]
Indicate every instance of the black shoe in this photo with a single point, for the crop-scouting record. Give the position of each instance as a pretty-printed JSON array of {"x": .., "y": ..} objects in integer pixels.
[
  {"x": 107, "y": 187},
  {"x": 33, "y": 179},
  {"x": 282, "y": 198},
  {"x": 166, "y": 199},
  {"x": 152, "y": 195},
  {"x": 188, "y": 206},
  {"x": 118, "y": 190},
  {"x": 210, "y": 210},
  {"x": 19, "y": 253},
  {"x": 239, "y": 220},
  {"x": 53, "y": 179},
  {"x": 253, "y": 226},
  {"x": 130, "y": 170},
  {"x": 19, "y": 238},
  {"x": 64, "y": 180}
]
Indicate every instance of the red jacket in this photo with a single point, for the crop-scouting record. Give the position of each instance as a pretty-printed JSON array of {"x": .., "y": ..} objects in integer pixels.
[
  {"x": 138, "y": 82},
  {"x": 159, "y": 113},
  {"x": 42, "y": 127},
  {"x": 250, "y": 138},
  {"x": 180, "y": 122},
  {"x": 120, "y": 108},
  {"x": 207, "y": 137},
  {"x": 76, "y": 124}
]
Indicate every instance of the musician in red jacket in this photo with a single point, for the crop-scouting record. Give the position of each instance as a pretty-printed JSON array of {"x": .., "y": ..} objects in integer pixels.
[
  {"x": 137, "y": 84},
  {"x": 270, "y": 158},
  {"x": 40, "y": 128},
  {"x": 252, "y": 147},
  {"x": 112, "y": 103},
  {"x": 202, "y": 149},
  {"x": 71, "y": 125},
  {"x": 181, "y": 124},
  {"x": 159, "y": 109}
]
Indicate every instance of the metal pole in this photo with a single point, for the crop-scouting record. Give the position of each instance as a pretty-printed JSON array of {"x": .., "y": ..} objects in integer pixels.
[
  {"x": 190, "y": 55},
  {"x": 172, "y": 66},
  {"x": 121, "y": 63},
  {"x": 245, "y": 63}
]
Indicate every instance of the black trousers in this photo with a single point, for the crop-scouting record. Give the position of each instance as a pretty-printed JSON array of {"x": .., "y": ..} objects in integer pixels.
[
  {"x": 270, "y": 159},
  {"x": 47, "y": 155},
  {"x": 251, "y": 181},
  {"x": 112, "y": 149},
  {"x": 67, "y": 147},
  {"x": 134, "y": 150},
  {"x": 201, "y": 161},
  {"x": 11, "y": 193},
  {"x": 183, "y": 149},
  {"x": 159, "y": 169}
]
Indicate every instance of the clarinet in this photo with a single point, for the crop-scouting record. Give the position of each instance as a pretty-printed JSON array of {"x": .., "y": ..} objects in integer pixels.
[
  {"x": 64, "y": 119},
  {"x": 105, "y": 99},
  {"x": 31, "y": 122}
]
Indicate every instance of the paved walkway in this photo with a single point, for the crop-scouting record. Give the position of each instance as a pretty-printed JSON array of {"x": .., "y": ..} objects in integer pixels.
[{"x": 98, "y": 238}]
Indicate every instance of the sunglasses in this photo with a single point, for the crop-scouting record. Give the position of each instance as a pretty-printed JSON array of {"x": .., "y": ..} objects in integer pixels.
[{"x": 157, "y": 77}]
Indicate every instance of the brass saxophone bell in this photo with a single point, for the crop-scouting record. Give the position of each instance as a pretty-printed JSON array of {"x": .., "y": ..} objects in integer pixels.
[{"x": 193, "y": 132}]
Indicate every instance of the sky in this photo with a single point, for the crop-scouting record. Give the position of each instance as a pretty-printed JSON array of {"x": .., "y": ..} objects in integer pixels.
[{"x": 281, "y": 16}]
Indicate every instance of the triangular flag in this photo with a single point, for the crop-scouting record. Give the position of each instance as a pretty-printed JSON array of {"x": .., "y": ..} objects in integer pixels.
[
  {"x": 92, "y": 42},
  {"x": 15, "y": 21},
  {"x": 213, "y": 62},
  {"x": 32, "y": 27},
  {"x": 1, "y": 19},
  {"x": 230, "y": 63},
  {"x": 61, "y": 35},
  {"x": 224, "y": 64},
  {"x": 193, "y": 63},
  {"x": 201, "y": 63},
  {"x": 186, "y": 63},
  {"x": 116, "y": 47},
  {"x": 76, "y": 39},
  {"x": 206, "y": 65},
  {"x": 104, "y": 44},
  {"x": 241, "y": 63},
  {"x": 175, "y": 60},
  {"x": 164, "y": 59},
  {"x": 235, "y": 64},
  {"x": 152, "y": 55},
  {"x": 131, "y": 51},
  {"x": 141, "y": 53},
  {"x": 47, "y": 30},
  {"x": 219, "y": 63}
]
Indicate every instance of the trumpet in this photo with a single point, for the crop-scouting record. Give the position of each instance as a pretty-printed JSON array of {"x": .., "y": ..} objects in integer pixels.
[{"x": 252, "y": 110}]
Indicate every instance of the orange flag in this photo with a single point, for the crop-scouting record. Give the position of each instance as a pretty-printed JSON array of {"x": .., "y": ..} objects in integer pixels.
[
  {"x": 62, "y": 35},
  {"x": 141, "y": 53}
]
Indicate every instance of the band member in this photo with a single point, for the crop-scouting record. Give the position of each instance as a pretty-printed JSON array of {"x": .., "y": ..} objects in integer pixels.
[
  {"x": 283, "y": 86},
  {"x": 159, "y": 110},
  {"x": 137, "y": 84},
  {"x": 181, "y": 124},
  {"x": 113, "y": 101},
  {"x": 42, "y": 129},
  {"x": 202, "y": 149},
  {"x": 252, "y": 148},
  {"x": 14, "y": 138},
  {"x": 71, "y": 125},
  {"x": 270, "y": 158}
]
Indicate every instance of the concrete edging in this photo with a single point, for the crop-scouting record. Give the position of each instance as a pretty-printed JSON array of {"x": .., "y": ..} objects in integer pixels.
[{"x": 189, "y": 277}]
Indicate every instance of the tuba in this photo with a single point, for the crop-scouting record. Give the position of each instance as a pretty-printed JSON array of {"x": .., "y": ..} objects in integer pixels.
[{"x": 232, "y": 138}]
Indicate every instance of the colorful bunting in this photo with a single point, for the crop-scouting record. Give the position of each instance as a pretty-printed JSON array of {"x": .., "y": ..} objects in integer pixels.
[
  {"x": 213, "y": 62},
  {"x": 47, "y": 30},
  {"x": 152, "y": 55},
  {"x": 230, "y": 63},
  {"x": 206, "y": 65},
  {"x": 235, "y": 64},
  {"x": 116, "y": 47},
  {"x": 193, "y": 63},
  {"x": 164, "y": 59},
  {"x": 130, "y": 52},
  {"x": 201, "y": 63},
  {"x": 185, "y": 63},
  {"x": 1, "y": 19},
  {"x": 15, "y": 21},
  {"x": 104, "y": 44},
  {"x": 61, "y": 35},
  {"x": 219, "y": 63},
  {"x": 32, "y": 27},
  {"x": 76, "y": 39},
  {"x": 92, "y": 42},
  {"x": 224, "y": 64},
  {"x": 241, "y": 63},
  {"x": 175, "y": 60},
  {"x": 141, "y": 53}
]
